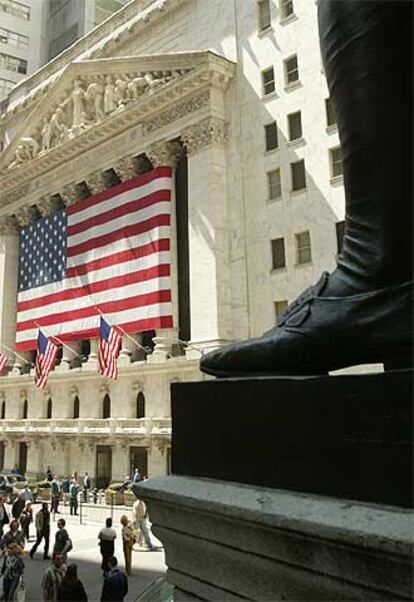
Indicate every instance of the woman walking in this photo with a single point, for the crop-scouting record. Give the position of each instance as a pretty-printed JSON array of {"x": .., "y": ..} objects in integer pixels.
[
  {"x": 128, "y": 540},
  {"x": 71, "y": 589},
  {"x": 12, "y": 571}
]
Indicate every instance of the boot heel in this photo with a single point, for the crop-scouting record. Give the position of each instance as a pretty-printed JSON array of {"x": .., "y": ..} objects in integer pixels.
[{"x": 400, "y": 360}]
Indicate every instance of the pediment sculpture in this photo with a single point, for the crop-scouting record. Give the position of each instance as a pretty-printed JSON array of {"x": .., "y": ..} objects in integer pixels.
[{"x": 90, "y": 100}]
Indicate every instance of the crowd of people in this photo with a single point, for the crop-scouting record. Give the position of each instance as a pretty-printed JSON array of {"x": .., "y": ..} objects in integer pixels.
[{"x": 60, "y": 580}]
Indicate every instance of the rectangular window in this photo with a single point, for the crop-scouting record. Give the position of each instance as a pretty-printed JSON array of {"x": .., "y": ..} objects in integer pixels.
[
  {"x": 340, "y": 232},
  {"x": 278, "y": 253},
  {"x": 274, "y": 184},
  {"x": 286, "y": 9},
  {"x": 13, "y": 39},
  {"x": 268, "y": 81},
  {"x": 280, "y": 308},
  {"x": 303, "y": 248},
  {"x": 12, "y": 63},
  {"x": 5, "y": 87},
  {"x": 330, "y": 112},
  {"x": 336, "y": 162},
  {"x": 295, "y": 125},
  {"x": 271, "y": 136},
  {"x": 17, "y": 9},
  {"x": 298, "y": 175},
  {"x": 265, "y": 20},
  {"x": 291, "y": 70}
]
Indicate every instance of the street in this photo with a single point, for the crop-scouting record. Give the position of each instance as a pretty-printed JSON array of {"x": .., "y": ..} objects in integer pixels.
[{"x": 147, "y": 566}]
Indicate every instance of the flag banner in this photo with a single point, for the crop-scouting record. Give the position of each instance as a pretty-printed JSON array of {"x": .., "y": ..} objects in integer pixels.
[
  {"x": 3, "y": 362},
  {"x": 111, "y": 251},
  {"x": 110, "y": 342},
  {"x": 47, "y": 351}
]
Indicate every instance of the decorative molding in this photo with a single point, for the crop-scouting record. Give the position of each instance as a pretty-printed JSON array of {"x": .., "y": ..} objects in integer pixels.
[
  {"x": 69, "y": 194},
  {"x": 165, "y": 153},
  {"x": 211, "y": 131},
  {"x": 104, "y": 389},
  {"x": 126, "y": 168},
  {"x": 46, "y": 205},
  {"x": 180, "y": 110},
  {"x": 16, "y": 194},
  {"x": 25, "y": 215},
  {"x": 96, "y": 182},
  {"x": 8, "y": 225}
]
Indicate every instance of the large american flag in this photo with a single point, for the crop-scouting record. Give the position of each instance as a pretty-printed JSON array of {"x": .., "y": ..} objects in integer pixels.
[{"x": 110, "y": 251}]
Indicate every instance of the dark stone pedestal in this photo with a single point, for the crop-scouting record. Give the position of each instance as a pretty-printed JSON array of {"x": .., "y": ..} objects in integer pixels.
[
  {"x": 343, "y": 436},
  {"x": 307, "y": 495}
]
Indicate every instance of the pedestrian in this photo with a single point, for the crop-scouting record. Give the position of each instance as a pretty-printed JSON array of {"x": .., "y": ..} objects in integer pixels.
[
  {"x": 42, "y": 524},
  {"x": 26, "y": 518},
  {"x": 73, "y": 497},
  {"x": 86, "y": 486},
  {"x": 65, "y": 489},
  {"x": 63, "y": 543},
  {"x": 53, "y": 578},
  {"x": 140, "y": 514},
  {"x": 16, "y": 469},
  {"x": 55, "y": 494},
  {"x": 126, "y": 482},
  {"x": 115, "y": 586},
  {"x": 4, "y": 517},
  {"x": 137, "y": 477},
  {"x": 49, "y": 476},
  {"x": 12, "y": 571},
  {"x": 27, "y": 494},
  {"x": 17, "y": 507},
  {"x": 107, "y": 536},
  {"x": 14, "y": 535},
  {"x": 128, "y": 540},
  {"x": 71, "y": 589}
]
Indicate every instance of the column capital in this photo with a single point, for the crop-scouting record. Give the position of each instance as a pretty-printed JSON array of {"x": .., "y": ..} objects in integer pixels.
[
  {"x": 211, "y": 131},
  {"x": 8, "y": 225},
  {"x": 96, "y": 182},
  {"x": 25, "y": 215},
  {"x": 46, "y": 205},
  {"x": 126, "y": 168},
  {"x": 165, "y": 153},
  {"x": 69, "y": 194}
]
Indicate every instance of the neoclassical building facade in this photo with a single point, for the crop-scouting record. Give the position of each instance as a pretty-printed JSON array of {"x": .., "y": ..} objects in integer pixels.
[{"x": 232, "y": 96}]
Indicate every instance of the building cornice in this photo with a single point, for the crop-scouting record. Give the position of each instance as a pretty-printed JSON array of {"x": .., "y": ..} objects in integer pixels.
[{"x": 105, "y": 37}]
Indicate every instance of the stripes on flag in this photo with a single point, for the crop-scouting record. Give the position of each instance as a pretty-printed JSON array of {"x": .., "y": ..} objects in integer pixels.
[
  {"x": 3, "y": 362},
  {"x": 45, "y": 359},
  {"x": 109, "y": 347},
  {"x": 111, "y": 251}
]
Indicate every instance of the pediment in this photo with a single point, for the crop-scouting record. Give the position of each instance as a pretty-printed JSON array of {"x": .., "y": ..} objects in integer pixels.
[{"x": 91, "y": 94}]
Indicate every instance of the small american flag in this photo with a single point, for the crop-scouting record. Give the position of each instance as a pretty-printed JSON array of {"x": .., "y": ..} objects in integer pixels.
[
  {"x": 3, "y": 362},
  {"x": 110, "y": 250},
  {"x": 109, "y": 348},
  {"x": 45, "y": 359}
]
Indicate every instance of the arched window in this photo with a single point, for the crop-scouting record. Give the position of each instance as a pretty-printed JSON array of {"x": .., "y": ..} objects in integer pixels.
[
  {"x": 3, "y": 409},
  {"x": 76, "y": 407},
  {"x": 106, "y": 407},
  {"x": 25, "y": 409},
  {"x": 49, "y": 408},
  {"x": 140, "y": 405}
]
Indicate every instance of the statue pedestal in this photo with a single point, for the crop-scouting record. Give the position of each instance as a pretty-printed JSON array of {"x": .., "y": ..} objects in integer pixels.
[{"x": 289, "y": 489}]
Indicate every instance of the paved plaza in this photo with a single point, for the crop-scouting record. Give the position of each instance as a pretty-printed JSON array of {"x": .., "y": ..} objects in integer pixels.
[{"x": 147, "y": 566}]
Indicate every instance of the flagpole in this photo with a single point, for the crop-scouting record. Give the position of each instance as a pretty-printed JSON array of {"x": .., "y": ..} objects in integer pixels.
[
  {"x": 15, "y": 353},
  {"x": 123, "y": 332},
  {"x": 75, "y": 353}
]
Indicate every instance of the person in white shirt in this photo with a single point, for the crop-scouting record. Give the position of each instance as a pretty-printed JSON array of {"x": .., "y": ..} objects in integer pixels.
[{"x": 107, "y": 537}]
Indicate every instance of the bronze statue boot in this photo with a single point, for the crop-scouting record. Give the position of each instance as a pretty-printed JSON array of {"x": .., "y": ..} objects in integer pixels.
[
  {"x": 317, "y": 334},
  {"x": 363, "y": 311}
]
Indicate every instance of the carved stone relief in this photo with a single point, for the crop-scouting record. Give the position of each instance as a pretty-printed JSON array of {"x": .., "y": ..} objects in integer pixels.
[
  {"x": 207, "y": 132},
  {"x": 90, "y": 100}
]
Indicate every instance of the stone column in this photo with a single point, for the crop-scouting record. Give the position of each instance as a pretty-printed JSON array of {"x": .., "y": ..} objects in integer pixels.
[
  {"x": 97, "y": 182},
  {"x": 157, "y": 460},
  {"x": 34, "y": 459},
  {"x": 126, "y": 168},
  {"x": 9, "y": 269},
  {"x": 92, "y": 363},
  {"x": 120, "y": 460},
  {"x": 70, "y": 355},
  {"x": 168, "y": 153},
  {"x": 208, "y": 235},
  {"x": 11, "y": 458},
  {"x": 69, "y": 194}
]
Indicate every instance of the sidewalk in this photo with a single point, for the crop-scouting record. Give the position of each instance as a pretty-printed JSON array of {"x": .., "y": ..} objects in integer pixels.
[{"x": 146, "y": 566}]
